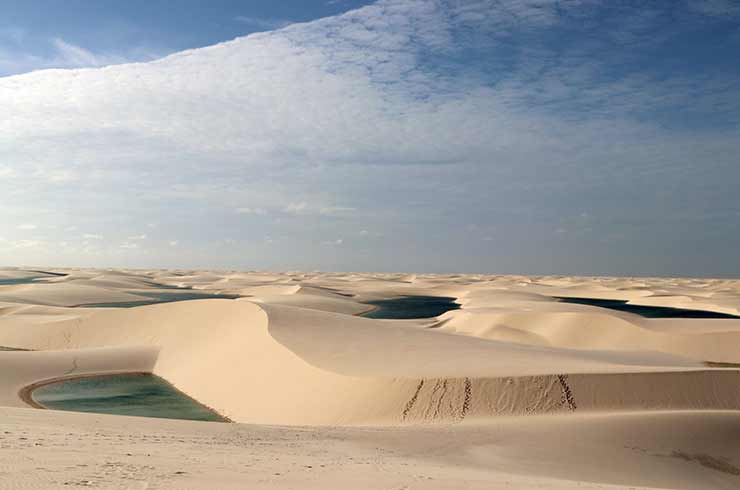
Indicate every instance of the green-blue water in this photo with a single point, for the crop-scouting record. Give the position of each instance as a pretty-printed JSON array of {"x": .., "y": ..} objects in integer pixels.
[
  {"x": 408, "y": 307},
  {"x": 646, "y": 311},
  {"x": 161, "y": 297},
  {"x": 22, "y": 280},
  {"x": 141, "y": 395},
  {"x": 28, "y": 280}
]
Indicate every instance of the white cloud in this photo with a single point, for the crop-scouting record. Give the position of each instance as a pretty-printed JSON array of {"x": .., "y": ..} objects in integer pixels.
[
  {"x": 14, "y": 58},
  {"x": 72, "y": 55},
  {"x": 92, "y": 236},
  {"x": 28, "y": 243},
  {"x": 22, "y": 244},
  {"x": 355, "y": 110},
  {"x": 295, "y": 207},
  {"x": 257, "y": 211},
  {"x": 173, "y": 243},
  {"x": 129, "y": 245},
  {"x": 27, "y": 226},
  {"x": 137, "y": 237},
  {"x": 336, "y": 210},
  {"x": 262, "y": 22}
]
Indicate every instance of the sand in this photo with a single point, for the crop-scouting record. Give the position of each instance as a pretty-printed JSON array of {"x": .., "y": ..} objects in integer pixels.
[{"x": 513, "y": 390}]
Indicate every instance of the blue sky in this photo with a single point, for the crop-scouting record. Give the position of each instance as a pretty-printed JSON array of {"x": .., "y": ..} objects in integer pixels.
[
  {"x": 137, "y": 30},
  {"x": 511, "y": 136}
]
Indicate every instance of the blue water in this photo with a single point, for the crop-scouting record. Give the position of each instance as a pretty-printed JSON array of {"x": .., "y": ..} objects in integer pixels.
[
  {"x": 23, "y": 280},
  {"x": 28, "y": 280},
  {"x": 162, "y": 297},
  {"x": 141, "y": 395},
  {"x": 408, "y": 307},
  {"x": 646, "y": 311}
]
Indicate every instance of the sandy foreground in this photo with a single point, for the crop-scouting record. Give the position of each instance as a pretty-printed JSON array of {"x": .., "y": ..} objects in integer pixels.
[{"x": 513, "y": 390}]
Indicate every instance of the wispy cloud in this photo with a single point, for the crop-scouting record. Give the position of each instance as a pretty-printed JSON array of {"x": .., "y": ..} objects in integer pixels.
[
  {"x": 15, "y": 58},
  {"x": 336, "y": 243},
  {"x": 716, "y": 8},
  {"x": 296, "y": 207},
  {"x": 256, "y": 211},
  {"x": 336, "y": 210},
  {"x": 262, "y": 22}
]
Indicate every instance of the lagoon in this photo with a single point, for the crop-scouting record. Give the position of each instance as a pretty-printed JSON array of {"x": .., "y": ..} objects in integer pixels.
[
  {"x": 646, "y": 311},
  {"x": 408, "y": 307},
  {"x": 141, "y": 395}
]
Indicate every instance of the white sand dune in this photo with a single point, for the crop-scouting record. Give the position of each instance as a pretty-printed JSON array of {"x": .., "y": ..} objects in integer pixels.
[
  {"x": 71, "y": 294},
  {"x": 625, "y": 451},
  {"x": 28, "y": 368},
  {"x": 527, "y": 390}
]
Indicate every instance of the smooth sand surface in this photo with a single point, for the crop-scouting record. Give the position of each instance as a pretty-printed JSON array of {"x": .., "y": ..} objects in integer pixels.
[{"x": 513, "y": 390}]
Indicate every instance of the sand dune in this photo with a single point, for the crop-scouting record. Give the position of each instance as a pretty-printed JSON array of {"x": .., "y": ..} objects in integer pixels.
[
  {"x": 218, "y": 351},
  {"x": 633, "y": 450},
  {"x": 72, "y": 294},
  {"x": 31, "y": 367},
  {"x": 292, "y": 350}
]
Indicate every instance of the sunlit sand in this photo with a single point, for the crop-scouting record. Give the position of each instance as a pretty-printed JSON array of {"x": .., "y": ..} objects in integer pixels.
[{"x": 513, "y": 388}]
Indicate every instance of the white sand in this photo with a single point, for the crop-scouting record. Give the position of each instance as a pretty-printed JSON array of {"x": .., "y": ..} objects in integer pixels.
[{"x": 514, "y": 390}]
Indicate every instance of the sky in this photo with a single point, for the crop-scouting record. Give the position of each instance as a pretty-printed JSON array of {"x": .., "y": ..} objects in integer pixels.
[
  {"x": 565, "y": 137},
  {"x": 40, "y": 34}
]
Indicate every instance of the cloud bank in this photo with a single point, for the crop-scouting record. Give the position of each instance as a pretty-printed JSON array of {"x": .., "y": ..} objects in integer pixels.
[{"x": 511, "y": 136}]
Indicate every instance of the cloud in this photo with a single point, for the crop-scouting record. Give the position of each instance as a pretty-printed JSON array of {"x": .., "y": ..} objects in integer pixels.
[
  {"x": 295, "y": 207},
  {"x": 92, "y": 236},
  {"x": 336, "y": 243},
  {"x": 138, "y": 237},
  {"x": 76, "y": 56},
  {"x": 27, "y": 226},
  {"x": 60, "y": 176},
  {"x": 716, "y": 8},
  {"x": 14, "y": 57},
  {"x": 129, "y": 246},
  {"x": 402, "y": 117},
  {"x": 257, "y": 211},
  {"x": 336, "y": 210},
  {"x": 26, "y": 243},
  {"x": 262, "y": 22}
]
